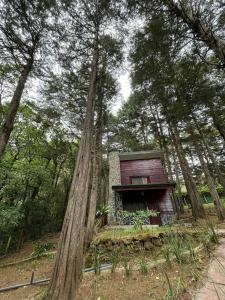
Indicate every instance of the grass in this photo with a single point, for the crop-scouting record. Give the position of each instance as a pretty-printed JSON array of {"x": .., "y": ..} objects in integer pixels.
[{"x": 121, "y": 233}]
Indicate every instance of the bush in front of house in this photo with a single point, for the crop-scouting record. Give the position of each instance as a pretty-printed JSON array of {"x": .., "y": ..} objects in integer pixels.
[{"x": 138, "y": 218}]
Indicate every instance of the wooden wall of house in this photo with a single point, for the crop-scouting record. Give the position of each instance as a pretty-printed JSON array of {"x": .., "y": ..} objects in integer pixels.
[
  {"x": 151, "y": 167},
  {"x": 160, "y": 200}
]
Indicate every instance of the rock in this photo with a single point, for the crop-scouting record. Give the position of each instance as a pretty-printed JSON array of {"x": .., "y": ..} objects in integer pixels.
[
  {"x": 157, "y": 242},
  {"x": 148, "y": 245}
]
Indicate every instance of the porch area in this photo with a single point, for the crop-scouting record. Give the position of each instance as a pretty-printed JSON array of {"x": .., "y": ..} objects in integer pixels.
[{"x": 153, "y": 197}]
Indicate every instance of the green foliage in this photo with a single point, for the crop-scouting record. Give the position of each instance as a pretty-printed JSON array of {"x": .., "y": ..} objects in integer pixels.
[
  {"x": 102, "y": 211},
  {"x": 114, "y": 259},
  {"x": 166, "y": 254},
  {"x": 127, "y": 268},
  {"x": 174, "y": 291},
  {"x": 35, "y": 176},
  {"x": 10, "y": 218},
  {"x": 190, "y": 247},
  {"x": 96, "y": 262},
  {"x": 177, "y": 249},
  {"x": 204, "y": 189},
  {"x": 42, "y": 248},
  {"x": 143, "y": 266},
  {"x": 212, "y": 235},
  {"x": 138, "y": 217}
]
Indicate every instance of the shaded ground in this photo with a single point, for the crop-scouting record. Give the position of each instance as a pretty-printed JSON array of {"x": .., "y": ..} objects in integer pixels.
[
  {"x": 107, "y": 286},
  {"x": 116, "y": 286}
]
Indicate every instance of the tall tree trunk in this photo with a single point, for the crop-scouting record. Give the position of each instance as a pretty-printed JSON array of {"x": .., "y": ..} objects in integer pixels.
[
  {"x": 8, "y": 123},
  {"x": 196, "y": 204},
  {"x": 212, "y": 189},
  {"x": 204, "y": 32},
  {"x": 96, "y": 178},
  {"x": 178, "y": 183},
  {"x": 163, "y": 145},
  {"x": 67, "y": 272}
]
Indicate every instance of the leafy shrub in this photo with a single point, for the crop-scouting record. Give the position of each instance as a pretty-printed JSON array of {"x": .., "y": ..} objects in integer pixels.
[
  {"x": 42, "y": 248},
  {"x": 138, "y": 217},
  {"x": 101, "y": 215},
  {"x": 102, "y": 210}
]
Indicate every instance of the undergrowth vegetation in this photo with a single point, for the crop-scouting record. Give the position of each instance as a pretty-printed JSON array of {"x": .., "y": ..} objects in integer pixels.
[{"x": 182, "y": 250}]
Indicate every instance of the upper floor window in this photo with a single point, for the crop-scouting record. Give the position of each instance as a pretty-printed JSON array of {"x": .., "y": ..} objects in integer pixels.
[{"x": 139, "y": 180}]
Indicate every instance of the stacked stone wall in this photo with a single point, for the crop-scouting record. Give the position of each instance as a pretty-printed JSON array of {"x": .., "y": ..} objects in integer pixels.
[{"x": 114, "y": 179}]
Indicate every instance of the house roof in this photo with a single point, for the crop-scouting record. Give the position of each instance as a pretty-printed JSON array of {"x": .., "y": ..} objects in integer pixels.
[
  {"x": 140, "y": 155},
  {"x": 149, "y": 186}
]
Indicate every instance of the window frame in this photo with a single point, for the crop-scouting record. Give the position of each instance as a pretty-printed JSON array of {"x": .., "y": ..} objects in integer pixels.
[{"x": 140, "y": 176}]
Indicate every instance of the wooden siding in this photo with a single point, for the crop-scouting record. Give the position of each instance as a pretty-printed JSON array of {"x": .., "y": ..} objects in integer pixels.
[{"x": 151, "y": 167}]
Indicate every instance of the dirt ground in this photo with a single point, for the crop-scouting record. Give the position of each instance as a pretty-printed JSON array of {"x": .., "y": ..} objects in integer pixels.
[
  {"x": 107, "y": 286},
  {"x": 186, "y": 277}
]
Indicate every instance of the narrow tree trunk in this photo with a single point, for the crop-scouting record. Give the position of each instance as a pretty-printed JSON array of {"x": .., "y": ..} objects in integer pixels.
[
  {"x": 196, "y": 204},
  {"x": 212, "y": 189},
  {"x": 8, "y": 123},
  {"x": 178, "y": 182},
  {"x": 67, "y": 272}
]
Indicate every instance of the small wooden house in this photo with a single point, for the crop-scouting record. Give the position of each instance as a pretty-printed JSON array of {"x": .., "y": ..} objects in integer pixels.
[{"x": 138, "y": 181}]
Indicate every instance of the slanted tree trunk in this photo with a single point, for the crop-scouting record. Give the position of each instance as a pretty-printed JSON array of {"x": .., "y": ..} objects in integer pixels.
[
  {"x": 210, "y": 154},
  {"x": 217, "y": 122},
  {"x": 212, "y": 189},
  {"x": 8, "y": 123},
  {"x": 67, "y": 272},
  {"x": 203, "y": 32},
  {"x": 196, "y": 204}
]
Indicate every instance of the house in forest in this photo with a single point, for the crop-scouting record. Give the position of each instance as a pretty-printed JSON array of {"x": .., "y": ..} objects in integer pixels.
[{"x": 138, "y": 181}]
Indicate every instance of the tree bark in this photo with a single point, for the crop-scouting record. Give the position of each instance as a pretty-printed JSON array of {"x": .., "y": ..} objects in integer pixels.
[
  {"x": 178, "y": 183},
  {"x": 164, "y": 146},
  {"x": 196, "y": 204},
  {"x": 68, "y": 268},
  {"x": 212, "y": 189},
  {"x": 204, "y": 32},
  {"x": 96, "y": 177},
  {"x": 8, "y": 123}
]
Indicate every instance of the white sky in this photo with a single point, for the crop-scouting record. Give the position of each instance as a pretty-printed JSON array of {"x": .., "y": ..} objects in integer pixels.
[
  {"x": 124, "y": 81},
  {"x": 125, "y": 91}
]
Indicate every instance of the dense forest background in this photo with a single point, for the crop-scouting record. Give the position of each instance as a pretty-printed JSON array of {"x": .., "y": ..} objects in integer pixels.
[{"x": 55, "y": 54}]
